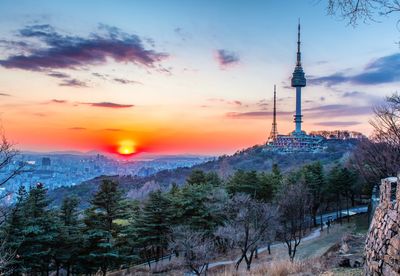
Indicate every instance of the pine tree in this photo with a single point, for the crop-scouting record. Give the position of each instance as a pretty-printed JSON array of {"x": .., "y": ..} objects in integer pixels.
[
  {"x": 314, "y": 179},
  {"x": 12, "y": 236},
  {"x": 152, "y": 227},
  {"x": 39, "y": 232},
  {"x": 101, "y": 231},
  {"x": 69, "y": 237}
]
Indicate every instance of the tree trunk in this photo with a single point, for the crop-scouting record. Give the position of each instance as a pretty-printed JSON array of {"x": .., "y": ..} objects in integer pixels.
[{"x": 348, "y": 211}]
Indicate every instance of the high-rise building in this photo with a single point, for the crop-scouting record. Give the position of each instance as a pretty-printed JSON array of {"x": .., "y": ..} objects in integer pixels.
[{"x": 46, "y": 161}]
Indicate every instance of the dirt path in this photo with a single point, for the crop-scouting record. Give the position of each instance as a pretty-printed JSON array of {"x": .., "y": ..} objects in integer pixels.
[{"x": 307, "y": 249}]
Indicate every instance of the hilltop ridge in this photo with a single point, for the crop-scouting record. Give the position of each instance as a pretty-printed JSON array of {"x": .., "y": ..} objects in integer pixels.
[{"x": 256, "y": 158}]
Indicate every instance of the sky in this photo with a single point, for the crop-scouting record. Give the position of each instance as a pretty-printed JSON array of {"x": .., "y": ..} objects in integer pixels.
[{"x": 179, "y": 77}]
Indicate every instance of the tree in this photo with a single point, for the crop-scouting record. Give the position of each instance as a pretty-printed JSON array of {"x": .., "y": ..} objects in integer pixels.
[
  {"x": 314, "y": 179},
  {"x": 69, "y": 238},
  {"x": 250, "y": 225},
  {"x": 259, "y": 186},
  {"x": 196, "y": 248},
  {"x": 341, "y": 181},
  {"x": 39, "y": 232},
  {"x": 379, "y": 157},
  {"x": 198, "y": 177},
  {"x": 102, "y": 232},
  {"x": 12, "y": 236},
  {"x": 8, "y": 170},
  {"x": 362, "y": 10},
  {"x": 194, "y": 206},
  {"x": 294, "y": 211},
  {"x": 152, "y": 227}
]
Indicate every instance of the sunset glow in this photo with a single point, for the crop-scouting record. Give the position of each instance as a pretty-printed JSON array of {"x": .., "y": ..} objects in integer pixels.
[
  {"x": 126, "y": 148},
  {"x": 182, "y": 84}
]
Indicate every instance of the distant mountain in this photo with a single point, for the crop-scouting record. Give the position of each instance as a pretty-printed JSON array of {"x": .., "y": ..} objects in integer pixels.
[
  {"x": 254, "y": 158},
  {"x": 141, "y": 157}
]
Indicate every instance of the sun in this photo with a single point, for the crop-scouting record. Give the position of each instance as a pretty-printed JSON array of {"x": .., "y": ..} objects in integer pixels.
[{"x": 126, "y": 148}]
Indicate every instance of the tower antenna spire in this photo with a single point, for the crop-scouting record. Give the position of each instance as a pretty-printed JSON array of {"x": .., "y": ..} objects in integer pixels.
[
  {"x": 298, "y": 63},
  {"x": 274, "y": 129}
]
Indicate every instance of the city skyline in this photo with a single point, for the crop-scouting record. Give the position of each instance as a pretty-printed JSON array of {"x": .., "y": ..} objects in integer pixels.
[{"x": 77, "y": 77}]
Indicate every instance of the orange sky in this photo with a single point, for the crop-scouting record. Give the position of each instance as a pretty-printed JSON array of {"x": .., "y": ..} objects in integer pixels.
[{"x": 182, "y": 84}]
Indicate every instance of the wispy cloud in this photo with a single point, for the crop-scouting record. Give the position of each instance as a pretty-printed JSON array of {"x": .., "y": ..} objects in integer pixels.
[
  {"x": 226, "y": 58},
  {"x": 380, "y": 71},
  {"x": 324, "y": 111},
  {"x": 5, "y": 94},
  {"x": 126, "y": 81},
  {"x": 337, "y": 110},
  {"x": 338, "y": 124},
  {"x": 73, "y": 83},
  {"x": 254, "y": 114},
  {"x": 183, "y": 35},
  {"x": 58, "y": 101},
  {"x": 230, "y": 102},
  {"x": 110, "y": 105},
  {"x": 113, "y": 129},
  {"x": 77, "y": 128}
]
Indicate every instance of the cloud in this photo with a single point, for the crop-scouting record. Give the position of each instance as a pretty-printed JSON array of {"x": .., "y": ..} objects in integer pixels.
[
  {"x": 338, "y": 124},
  {"x": 110, "y": 105},
  {"x": 379, "y": 71},
  {"x": 230, "y": 102},
  {"x": 324, "y": 111},
  {"x": 254, "y": 114},
  {"x": 352, "y": 94},
  {"x": 126, "y": 81},
  {"x": 58, "y": 75},
  {"x": 58, "y": 101},
  {"x": 227, "y": 58},
  {"x": 5, "y": 94},
  {"x": 182, "y": 34},
  {"x": 73, "y": 83},
  {"x": 59, "y": 51},
  {"x": 77, "y": 128},
  {"x": 113, "y": 129},
  {"x": 337, "y": 110}
]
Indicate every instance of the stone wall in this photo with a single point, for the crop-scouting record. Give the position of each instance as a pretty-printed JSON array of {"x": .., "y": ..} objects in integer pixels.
[{"x": 382, "y": 249}]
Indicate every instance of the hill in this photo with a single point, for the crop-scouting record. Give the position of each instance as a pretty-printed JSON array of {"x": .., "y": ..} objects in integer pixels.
[{"x": 254, "y": 158}]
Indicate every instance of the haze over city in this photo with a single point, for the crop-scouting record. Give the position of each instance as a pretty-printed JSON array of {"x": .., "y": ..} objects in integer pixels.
[{"x": 107, "y": 76}]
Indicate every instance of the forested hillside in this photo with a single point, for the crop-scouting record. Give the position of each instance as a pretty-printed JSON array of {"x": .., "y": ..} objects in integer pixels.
[{"x": 256, "y": 158}]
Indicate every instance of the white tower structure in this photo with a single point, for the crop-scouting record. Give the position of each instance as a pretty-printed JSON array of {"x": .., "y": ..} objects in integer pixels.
[{"x": 298, "y": 81}]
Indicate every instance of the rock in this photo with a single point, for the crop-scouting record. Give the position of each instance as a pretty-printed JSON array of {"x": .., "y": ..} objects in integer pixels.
[{"x": 356, "y": 262}]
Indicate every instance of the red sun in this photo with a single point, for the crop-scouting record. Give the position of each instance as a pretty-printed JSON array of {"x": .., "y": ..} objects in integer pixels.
[{"x": 126, "y": 148}]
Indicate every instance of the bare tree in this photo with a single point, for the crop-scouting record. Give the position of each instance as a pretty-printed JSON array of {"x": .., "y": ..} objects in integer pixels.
[
  {"x": 362, "y": 10},
  {"x": 251, "y": 225},
  {"x": 295, "y": 215},
  {"x": 196, "y": 248},
  {"x": 379, "y": 157},
  {"x": 9, "y": 171}
]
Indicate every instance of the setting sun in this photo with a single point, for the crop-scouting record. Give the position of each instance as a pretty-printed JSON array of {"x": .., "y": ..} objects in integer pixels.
[{"x": 126, "y": 148}]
